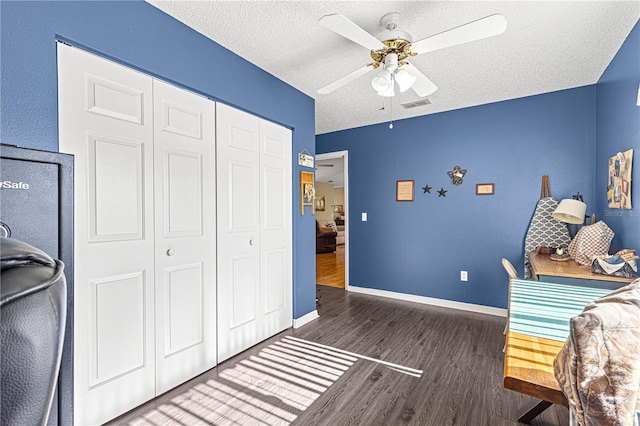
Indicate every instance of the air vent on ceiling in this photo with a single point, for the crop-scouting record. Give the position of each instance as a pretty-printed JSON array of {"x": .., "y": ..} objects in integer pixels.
[{"x": 415, "y": 104}]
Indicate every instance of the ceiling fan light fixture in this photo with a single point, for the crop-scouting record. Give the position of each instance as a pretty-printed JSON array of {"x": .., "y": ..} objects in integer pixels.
[
  {"x": 391, "y": 62},
  {"x": 404, "y": 80},
  {"x": 389, "y": 92},
  {"x": 382, "y": 81}
]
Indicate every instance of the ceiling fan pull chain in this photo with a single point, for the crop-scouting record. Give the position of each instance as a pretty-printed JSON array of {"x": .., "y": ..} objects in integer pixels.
[{"x": 391, "y": 111}]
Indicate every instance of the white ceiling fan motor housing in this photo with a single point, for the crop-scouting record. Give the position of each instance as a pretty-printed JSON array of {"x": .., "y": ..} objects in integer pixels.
[{"x": 390, "y": 23}]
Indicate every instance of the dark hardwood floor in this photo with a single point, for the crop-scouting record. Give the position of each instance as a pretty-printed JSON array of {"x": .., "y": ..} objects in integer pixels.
[{"x": 365, "y": 361}]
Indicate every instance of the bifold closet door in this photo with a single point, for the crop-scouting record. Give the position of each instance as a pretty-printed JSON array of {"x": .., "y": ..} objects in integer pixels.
[
  {"x": 254, "y": 230},
  {"x": 145, "y": 229},
  {"x": 238, "y": 183},
  {"x": 106, "y": 122},
  {"x": 185, "y": 232},
  {"x": 275, "y": 228}
]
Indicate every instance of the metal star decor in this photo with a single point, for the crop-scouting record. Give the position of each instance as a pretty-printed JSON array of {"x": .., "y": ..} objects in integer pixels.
[
  {"x": 426, "y": 189},
  {"x": 442, "y": 192},
  {"x": 456, "y": 175}
]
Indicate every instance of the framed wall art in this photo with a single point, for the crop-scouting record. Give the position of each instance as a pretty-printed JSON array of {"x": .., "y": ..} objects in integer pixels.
[
  {"x": 307, "y": 192},
  {"x": 320, "y": 203},
  {"x": 404, "y": 190},
  {"x": 619, "y": 182},
  {"x": 484, "y": 188}
]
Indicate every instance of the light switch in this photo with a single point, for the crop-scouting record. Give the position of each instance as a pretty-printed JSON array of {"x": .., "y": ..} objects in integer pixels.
[{"x": 364, "y": 217}]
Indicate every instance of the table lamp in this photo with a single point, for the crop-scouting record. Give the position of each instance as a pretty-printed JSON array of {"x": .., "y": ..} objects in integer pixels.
[{"x": 570, "y": 211}]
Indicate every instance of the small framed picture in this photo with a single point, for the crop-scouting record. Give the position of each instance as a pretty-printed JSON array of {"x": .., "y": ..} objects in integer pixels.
[
  {"x": 337, "y": 208},
  {"x": 404, "y": 190},
  {"x": 484, "y": 188},
  {"x": 307, "y": 192}
]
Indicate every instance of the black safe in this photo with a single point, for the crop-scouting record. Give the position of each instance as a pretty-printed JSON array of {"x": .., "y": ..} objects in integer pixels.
[{"x": 36, "y": 206}]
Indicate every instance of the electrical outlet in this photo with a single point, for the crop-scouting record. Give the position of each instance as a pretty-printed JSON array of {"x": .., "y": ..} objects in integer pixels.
[
  {"x": 464, "y": 276},
  {"x": 364, "y": 217}
]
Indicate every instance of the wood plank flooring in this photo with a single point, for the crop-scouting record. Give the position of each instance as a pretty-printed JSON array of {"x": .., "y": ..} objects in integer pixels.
[
  {"x": 330, "y": 268},
  {"x": 290, "y": 380}
]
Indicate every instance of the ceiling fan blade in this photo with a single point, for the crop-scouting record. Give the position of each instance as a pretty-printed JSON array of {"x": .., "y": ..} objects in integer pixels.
[
  {"x": 346, "y": 28},
  {"x": 344, "y": 80},
  {"x": 422, "y": 86},
  {"x": 482, "y": 28}
]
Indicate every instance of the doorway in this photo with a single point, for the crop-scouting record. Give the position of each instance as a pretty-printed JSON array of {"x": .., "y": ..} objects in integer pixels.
[{"x": 332, "y": 171}]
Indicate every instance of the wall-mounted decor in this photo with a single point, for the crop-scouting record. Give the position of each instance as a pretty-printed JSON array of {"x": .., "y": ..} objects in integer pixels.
[
  {"x": 619, "y": 183},
  {"x": 305, "y": 158},
  {"x": 307, "y": 192},
  {"x": 404, "y": 190},
  {"x": 442, "y": 192},
  {"x": 337, "y": 208},
  {"x": 484, "y": 188},
  {"x": 456, "y": 175},
  {"x": 426, "y": 189},
  {"x": 320, "y": 203}
]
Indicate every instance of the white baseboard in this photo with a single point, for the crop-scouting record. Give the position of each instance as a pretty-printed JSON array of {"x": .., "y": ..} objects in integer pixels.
[
  {"x": 431, "y": 301},
  {"x": 299, "y": 322}
]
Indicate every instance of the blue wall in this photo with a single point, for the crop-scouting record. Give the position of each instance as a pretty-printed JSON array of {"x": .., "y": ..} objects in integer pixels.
[
  {"x": 618, "y": 129},
  {"x": 420, "y": 247},
  {"x": 139, "y": 35}
]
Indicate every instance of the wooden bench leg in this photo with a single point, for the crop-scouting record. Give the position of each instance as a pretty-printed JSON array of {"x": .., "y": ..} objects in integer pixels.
[{"x": 531, "y": 411}]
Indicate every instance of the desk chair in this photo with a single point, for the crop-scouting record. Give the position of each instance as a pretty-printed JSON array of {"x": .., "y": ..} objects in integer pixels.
[
  {"x": 511, "y": 271},
  {"x": 513, "y": 274}
]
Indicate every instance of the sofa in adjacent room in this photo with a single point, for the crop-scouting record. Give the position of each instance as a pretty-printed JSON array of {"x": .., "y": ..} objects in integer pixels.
[
  {"x": 325, "y": 239},
  {"x": 339, "y": 229}
]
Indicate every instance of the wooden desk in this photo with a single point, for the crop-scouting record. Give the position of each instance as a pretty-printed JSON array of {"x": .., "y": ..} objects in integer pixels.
[
  {"x": 538, "y": 325},
  {"x": 542, "y": 265}
]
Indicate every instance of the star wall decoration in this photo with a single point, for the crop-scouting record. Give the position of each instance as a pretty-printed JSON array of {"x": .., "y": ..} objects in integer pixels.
[
  {"x": 426, "y": 189},
  {"x": 442, "y": 192},
  {"x": 456, "y": 175}
]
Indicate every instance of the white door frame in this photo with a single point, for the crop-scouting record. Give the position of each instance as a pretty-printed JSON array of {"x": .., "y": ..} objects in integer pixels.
[{"x": 345, "y": 160}]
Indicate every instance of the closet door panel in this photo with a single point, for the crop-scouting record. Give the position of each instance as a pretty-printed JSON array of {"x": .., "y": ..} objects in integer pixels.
[
  {"x": 183, "y": 308},
  {"x": 105, "y": 121},
  {"x": 185, "y": 219},
  {"x": 116, "y": 200},
  {"x": 121, "y": 301},
  {"x": 275, "y": 228},
  {"x": 239, "y": 325}
]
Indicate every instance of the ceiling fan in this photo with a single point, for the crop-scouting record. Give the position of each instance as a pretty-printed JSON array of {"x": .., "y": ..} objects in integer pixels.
[{"x": 396, "y": 47}]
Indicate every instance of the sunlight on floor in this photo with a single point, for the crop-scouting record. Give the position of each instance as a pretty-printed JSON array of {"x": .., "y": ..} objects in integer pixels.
[{"x": 271, "y": 388}]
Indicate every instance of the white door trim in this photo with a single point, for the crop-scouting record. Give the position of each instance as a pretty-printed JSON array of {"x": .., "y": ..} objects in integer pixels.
[{"x": 345, "y": 159}]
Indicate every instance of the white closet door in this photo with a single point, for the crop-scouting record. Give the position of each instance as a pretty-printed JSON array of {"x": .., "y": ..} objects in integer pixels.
[
  {"x": 239, "y": 325},
  {"x": 185, "y": 222},
  {"x": 275, "y": 228},
  {"x": 105, "y": 121}
]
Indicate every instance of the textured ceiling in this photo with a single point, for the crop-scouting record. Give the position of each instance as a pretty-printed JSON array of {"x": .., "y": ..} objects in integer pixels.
[{"x": 548, "y": 46}]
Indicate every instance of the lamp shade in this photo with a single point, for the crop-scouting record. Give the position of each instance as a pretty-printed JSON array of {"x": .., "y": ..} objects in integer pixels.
[
  {"x": 388, "y": 92},
  {"x": 404, "y": 80},
  {"x": 570, "y": 211},
  {"x": 382, "y": 81}
]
